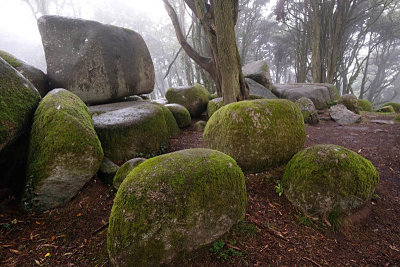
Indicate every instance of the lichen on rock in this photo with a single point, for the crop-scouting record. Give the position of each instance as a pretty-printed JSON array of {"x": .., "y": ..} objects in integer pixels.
[
  {"x": 174, "y": 203},
  {"x": 258, "y": 134},
  {"x": 323, "y": 179}
]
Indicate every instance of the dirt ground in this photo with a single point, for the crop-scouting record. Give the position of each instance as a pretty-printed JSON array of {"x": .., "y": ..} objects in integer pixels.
[{"x": 273, "y": 234}]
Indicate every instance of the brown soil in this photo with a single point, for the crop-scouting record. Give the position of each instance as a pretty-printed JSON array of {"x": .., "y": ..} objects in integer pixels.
[{"x": 274, "y": 233}]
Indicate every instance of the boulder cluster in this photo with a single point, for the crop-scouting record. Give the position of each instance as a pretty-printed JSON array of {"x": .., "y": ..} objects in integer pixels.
[{"x": 88, "y": 116}]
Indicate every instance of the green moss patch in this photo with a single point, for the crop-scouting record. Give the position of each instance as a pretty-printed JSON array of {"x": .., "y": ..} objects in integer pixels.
[
  {"x": 10, "y": 59},
  {"x": 258, "y": 134},
  {"x": 124, "y": 170},
  {"x": 181, "y": 114},
  {"x": 174, "y": 203},
  {"x": 386, "y": 109},
  {"x": 328, "y": 179},
  {"x": 365, "y": 105},
  {"x": 213, "y": 106},
  {"x": 395, "y": 106},
  {"x": 351, "y": 102}
]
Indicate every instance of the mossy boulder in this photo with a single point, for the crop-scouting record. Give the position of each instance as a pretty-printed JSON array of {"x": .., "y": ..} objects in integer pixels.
[
  {"x": 326, "y": 179},
  {"x": 181, "y": 114},
  {"x": 32, "y": 74},
  {"x": 258, "y": 134},
  {"x": 131, "y": 129},
  {"x": 18, "y": 101},
  {"x": 64, "y": 151},
  {"x": 386, "y": 109},
  {"x": 308, "y": 110},
  {"x": 193, "y": 98},
  {"x": 350, "y": 101},
  {"x": 172, "y": 124},
  {"x": 174, "y": 203},
  {"x": 107, "y": 171},
  {"x": 214, "y": 105},
  {"x": 199, "y": 126},
  {"x": 124, "y": 170},
  {"x": 395, "y": 106},
  {"x": 364, "y": 105}
]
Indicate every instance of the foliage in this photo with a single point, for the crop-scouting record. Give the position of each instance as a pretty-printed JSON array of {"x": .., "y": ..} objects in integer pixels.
[
  {"x": 279, "y": 188},
  {"x": 222, "y": 253}
]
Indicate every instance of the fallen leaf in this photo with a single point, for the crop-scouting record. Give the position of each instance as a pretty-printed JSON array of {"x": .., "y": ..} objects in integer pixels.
[
  {"x": 359, "y": 150},
  {"x": 14, "y": 251},
  {"x": 47, "y": 254},
  {"x": 79, "y": 214},
  {"x": 68, "y": 253},
  {"x": 52, "y": 238},
  {"x": 8, "y": 245},
  {"x": 37, "y": 222},
  {"x": 37, "y": 262}
]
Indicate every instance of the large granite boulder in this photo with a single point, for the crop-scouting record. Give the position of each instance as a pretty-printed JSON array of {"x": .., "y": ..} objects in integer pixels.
[
  {"x": 96, "y": 62},
  {"x": 173, "y": 204},
  {"x": 325, "y": 181},
  {"x": 321, "y": 94},
  {"x": 351, "y": 102},
  {"x": 194, "y": 98},
  {"x": 64, "y": 150},
  {"x": 32, "y": 74},
  {"x": 18, "y": 101},
  {"x": 181, "y": 115},
  {"x": 257, "y": 89},
  {"x": 107, "y": 171},
  {"x": 342, "y": 115},
  {"x": 395, "y": 106},
  {"x": 259, "y": 71},
  {"x": 308, "y": 110},
  {"x": 258, "y": 134},
  {"x": 131, "y": 129}
]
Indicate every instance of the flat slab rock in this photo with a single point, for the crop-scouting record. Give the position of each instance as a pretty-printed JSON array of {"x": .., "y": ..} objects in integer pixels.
[
  {"x": 319, "y": 93},
  {"x": 343, "y": 116},
  {"x": 383, "y": 122}
]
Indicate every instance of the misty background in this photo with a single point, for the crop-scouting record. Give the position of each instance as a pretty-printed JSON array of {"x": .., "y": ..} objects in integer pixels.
[{"x": 369, "y": 59}]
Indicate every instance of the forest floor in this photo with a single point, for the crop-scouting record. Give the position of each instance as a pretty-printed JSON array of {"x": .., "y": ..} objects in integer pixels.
[{"x": 274, "y": 233}]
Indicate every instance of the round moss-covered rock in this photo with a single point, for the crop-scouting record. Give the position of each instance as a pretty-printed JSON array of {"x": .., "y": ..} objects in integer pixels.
[
  {"x": 258, "y": 134},
  {"x": 193, "y": 98},
  {"x": 199, "y": 126},
  {"x": 172, "y": 124},
  {"x": 132, "y": 129},
  {"x": 125, "y": 169},
  {"x": 326, "y": 179},
  {"x": 213, "y": 105},
  {"x": 364, "y": 105},
  {"x": 350, "y": 101},
  {"x": 181, "y": 114},
  {"x": 18, "y": 101},
  {"x": 308, "y": 110},
  {"x": 64, "y": 151},
  {"x": 395, "y": 106},
  {"x": 386, "y": 109},
  {"x": 107, "y": 171},
  {"x": 173, "y": 204}
]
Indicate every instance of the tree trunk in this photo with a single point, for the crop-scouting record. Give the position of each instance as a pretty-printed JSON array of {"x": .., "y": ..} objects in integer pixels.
[{"x": 316, "y": 38}]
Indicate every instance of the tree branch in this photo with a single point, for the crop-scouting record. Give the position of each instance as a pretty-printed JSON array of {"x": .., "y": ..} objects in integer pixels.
[{"x": 204, "y": 62}]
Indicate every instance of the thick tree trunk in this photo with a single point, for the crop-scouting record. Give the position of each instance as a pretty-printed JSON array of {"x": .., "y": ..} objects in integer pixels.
[{"x": 316, "y": 38}]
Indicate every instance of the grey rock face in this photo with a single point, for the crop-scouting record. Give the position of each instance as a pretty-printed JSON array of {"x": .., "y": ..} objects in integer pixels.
[
  {"x": 97, "y": 62},
  {"x": 34, "y": 75},
  {"x": 259, "y": 90},
  {"x": 343, "y": 116},
  {"x": 107, "y": 171},
  {"x": 320, "y": 94},
  {"x": 259, "y": 71},
  {"x": 351, "y": 102}
]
